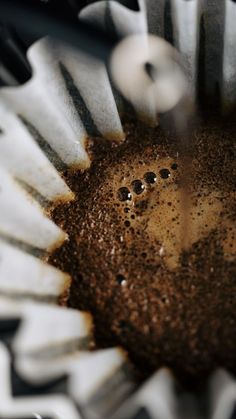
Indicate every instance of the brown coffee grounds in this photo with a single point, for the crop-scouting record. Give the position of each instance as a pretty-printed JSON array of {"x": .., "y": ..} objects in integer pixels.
[{"x": 159, "y": 280}]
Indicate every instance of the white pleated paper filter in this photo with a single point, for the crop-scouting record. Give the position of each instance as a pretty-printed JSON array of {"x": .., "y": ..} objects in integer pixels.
[{"x": 42, "y": 131}]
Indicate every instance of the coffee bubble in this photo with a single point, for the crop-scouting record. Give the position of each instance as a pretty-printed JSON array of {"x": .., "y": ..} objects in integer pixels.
[
  {"x": 124, "y": 194},
  {"x": 164, "y": 173},
  {"x": 137, "y": 186},
  {"x": 150, "y": 177}
]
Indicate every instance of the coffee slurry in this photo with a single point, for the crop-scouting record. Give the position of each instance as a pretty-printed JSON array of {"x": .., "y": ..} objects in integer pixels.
[{"x": 154, "y": 262}]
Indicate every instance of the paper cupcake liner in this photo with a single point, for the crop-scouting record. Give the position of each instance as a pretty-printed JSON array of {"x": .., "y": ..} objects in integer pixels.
[{"x": 49, "y": 371}]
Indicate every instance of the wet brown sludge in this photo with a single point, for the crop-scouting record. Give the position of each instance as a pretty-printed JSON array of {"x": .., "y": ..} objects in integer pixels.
[{"x": 158, "y": 281}]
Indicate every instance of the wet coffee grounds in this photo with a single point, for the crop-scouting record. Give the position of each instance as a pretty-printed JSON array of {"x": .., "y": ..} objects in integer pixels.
[{"x": 157, "y": 273}]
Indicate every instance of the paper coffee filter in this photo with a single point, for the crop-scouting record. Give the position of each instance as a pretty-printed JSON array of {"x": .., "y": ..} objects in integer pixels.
[
  {"x": 113, "y": 16},
  {"x": 45, "y": 124},
  {"x": 44, "y": 127}
]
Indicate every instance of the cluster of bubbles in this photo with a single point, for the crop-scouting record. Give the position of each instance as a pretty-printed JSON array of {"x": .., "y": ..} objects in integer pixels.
[{"x": 138, "y": 187}]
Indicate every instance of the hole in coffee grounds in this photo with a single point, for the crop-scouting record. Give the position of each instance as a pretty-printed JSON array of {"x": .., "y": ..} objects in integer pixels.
[
  {"x": 164, "y": 173},
  {"x": 174, "y": 166},
  {"x": 121, "y": 279},
  {"x": 124, "y": 194},
  {"x": 150, "y": 177},
  {"x": 137, "y": 186},
  {"x": 127, "y": 223}
]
